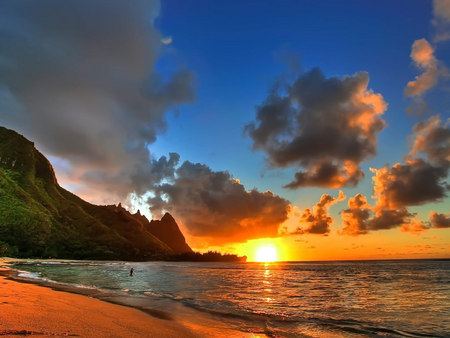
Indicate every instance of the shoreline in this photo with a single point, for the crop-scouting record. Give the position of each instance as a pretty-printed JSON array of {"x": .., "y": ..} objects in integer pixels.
[
  {"x": 33, "y": 307},
  {"x": 30, "y": 309}
]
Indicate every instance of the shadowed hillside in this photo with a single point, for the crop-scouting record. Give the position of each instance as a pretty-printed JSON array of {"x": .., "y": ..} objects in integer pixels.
[
  {"x": 167, "y": 231},
  {"x": 38, "y": 218}
]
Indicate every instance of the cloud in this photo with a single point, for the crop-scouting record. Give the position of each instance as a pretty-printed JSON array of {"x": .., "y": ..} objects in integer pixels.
[
  {"x": 80, "y": 80},
  {"x": 423, "y": 56},
  {"x": 215, "y": 206},
  {"x": 415, "y": 227},
  {"x": 441, "y": 20},
  {"x": 440, "y": 221},
  {"x": 389, "y": 218},
  {"x": 326, "y": 125},
  {"x": 317, "y": 219},
  {"x": 441, "y": 10},
  {"x": 422, "y": 53},
  {"x": 413, "y": 183},
  {"x": 355, "y": 218},
  {"x": 361, "y": 218},
  {"x": 418, "y": 181},
  {"x": 326, "y": 174},
  {"x": 432, "y": 139}
]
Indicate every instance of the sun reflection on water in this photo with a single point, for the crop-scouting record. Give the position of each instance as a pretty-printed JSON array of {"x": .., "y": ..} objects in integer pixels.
[{"x": 267, "y": 283}]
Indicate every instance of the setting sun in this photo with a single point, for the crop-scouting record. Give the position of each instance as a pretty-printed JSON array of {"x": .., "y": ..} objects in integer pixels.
[{"x": 266, "y": 254}]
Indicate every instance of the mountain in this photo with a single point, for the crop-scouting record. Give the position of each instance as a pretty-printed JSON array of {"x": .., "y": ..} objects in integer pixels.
[
  {"x": 38, "y": 218},
  {"x": 168, "y": 232}
]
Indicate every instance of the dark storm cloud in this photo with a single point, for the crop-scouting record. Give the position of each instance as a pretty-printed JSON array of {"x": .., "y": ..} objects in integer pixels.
[
  {"x": 79, "y": 80},
  {"x": 326, "y": 125},
  {"x": 217, "y": 207}
]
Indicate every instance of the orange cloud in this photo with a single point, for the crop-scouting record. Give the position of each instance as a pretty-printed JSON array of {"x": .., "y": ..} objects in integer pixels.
[
  {"x": 423, "y": 56},
  {"x": 422, "y": 53},
  {"x": 415, "y": 227},
  {"x": 361, "y": 217},
  {"x": 317, "y": 219},
  {"x": 356, "y": 216}
]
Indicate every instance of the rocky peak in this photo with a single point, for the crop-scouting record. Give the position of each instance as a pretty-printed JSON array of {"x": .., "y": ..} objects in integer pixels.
[{"x": 167, "y": 231}]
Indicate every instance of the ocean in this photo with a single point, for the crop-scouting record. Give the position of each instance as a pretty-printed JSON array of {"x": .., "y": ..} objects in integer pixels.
[{"x": 408, "y": 298}]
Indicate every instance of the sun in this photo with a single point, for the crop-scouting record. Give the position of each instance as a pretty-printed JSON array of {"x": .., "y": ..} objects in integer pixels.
[{"x": 266, "y": 253}]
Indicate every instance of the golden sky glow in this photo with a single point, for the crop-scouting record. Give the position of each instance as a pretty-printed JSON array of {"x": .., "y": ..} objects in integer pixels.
[{"x": 385, "y": 244}]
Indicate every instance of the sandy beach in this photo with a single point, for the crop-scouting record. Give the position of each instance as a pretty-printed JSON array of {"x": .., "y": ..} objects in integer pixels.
[
  {"x": 34, "y": 308},
  {"x": 27, "y": 309}
]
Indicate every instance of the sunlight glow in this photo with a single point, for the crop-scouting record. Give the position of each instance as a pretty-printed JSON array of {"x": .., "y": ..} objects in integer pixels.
[{"x": 266, "y": 253}]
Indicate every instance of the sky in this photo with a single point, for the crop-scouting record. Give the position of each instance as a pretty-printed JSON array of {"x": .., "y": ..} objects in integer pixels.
[{"x": 319, "y": 128}]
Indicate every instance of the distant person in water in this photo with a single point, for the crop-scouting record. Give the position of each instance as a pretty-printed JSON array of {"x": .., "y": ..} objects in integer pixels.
[{"x": 132, "y": 272}]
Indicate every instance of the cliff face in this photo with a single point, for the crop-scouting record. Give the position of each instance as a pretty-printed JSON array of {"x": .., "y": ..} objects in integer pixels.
[{"x": 38, "y": 218}]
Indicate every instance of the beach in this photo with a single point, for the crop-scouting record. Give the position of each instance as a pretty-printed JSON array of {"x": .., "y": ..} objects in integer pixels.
[
  {"x": 27, "y": 309},
  {"x": 31, "y": 307}
]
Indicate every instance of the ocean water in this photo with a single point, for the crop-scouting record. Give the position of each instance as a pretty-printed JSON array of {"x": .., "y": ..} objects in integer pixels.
[{"x": 287, "y": 299}]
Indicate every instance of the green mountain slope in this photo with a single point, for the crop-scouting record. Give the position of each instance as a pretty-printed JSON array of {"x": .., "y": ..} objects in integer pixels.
[{"x": 38, "y": 218}]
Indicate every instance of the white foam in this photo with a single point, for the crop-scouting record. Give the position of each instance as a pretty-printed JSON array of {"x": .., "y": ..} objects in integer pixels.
[
  {"x": 81, "y": 286},
  {"x": 31, "y": 275}
]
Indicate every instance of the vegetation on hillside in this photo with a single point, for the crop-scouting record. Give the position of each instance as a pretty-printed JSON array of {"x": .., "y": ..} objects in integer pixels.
[{"x": 38, "y": 218}]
